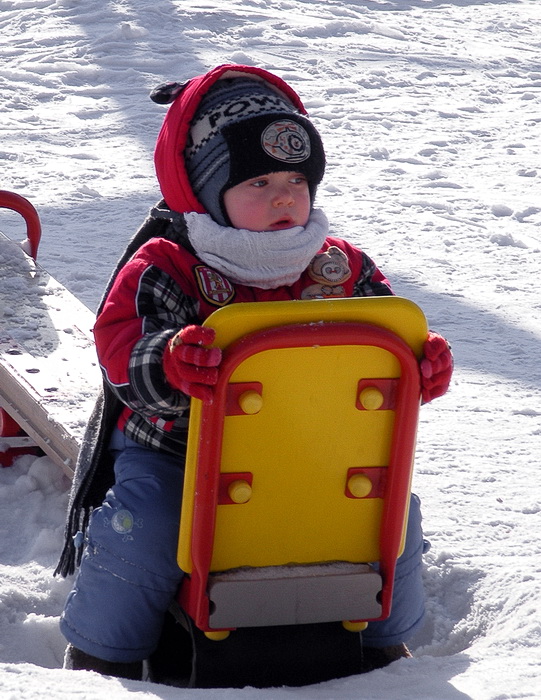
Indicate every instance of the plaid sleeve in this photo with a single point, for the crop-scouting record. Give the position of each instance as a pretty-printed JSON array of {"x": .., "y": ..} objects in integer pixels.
[
  {"x": 148, "y": 392},
  {"x": 371, "y": 281},
  {"x": 161, "y": 309}
]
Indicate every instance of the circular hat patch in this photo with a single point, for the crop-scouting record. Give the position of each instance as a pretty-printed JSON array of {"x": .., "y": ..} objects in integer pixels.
[{"x": 287, "y": 141}]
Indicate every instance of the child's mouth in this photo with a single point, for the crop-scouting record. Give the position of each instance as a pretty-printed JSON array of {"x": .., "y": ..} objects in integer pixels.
[{"x": 282, "y": 224}]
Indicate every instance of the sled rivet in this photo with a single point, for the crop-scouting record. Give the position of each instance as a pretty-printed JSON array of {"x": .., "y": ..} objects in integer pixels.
[
  {"x": 251, "y": 402},
  {"x": 239, "y": 491},
  {"x": 371, "y": 398},
  {"x": 359, "y": 485},
  {"x": 217, "y": 636},
  {"x": 352, "y": 626}
]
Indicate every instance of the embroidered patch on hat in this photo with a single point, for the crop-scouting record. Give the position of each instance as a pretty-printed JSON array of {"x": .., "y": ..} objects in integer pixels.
[
  {"x": 215, "y": 288},
  {"x": 287, "y": 141}
]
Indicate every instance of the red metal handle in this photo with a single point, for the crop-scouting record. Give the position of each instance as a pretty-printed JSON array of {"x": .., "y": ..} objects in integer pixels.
[{"x": 10, "y": 200}]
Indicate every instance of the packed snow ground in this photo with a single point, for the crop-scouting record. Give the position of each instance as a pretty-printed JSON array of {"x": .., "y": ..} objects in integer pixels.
[{"x": 431, "y": 116}]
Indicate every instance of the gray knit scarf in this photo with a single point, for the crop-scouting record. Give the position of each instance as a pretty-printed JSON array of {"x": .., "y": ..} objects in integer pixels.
[{"x": 267, "y": 259}]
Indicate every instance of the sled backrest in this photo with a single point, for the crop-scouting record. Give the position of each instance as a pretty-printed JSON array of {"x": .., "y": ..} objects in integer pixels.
[{"x": 304, "y": 456}]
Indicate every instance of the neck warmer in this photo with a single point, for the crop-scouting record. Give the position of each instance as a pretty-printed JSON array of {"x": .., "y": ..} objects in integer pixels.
[{"x": 264, "y": 259}]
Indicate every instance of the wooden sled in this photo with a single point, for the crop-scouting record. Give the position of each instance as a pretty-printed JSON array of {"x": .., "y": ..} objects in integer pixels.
[
  {"x": 49, "y": 374},
  {"x": 297, "y": 483}
]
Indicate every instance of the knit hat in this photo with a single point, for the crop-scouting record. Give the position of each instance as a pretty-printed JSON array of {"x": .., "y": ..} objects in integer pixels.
[{"x": 244, "y": 128}]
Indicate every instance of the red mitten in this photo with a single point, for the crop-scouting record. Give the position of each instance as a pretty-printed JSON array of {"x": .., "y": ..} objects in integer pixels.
[
  {"x": 191, "y": 367},
  {"x": 436, "y": 367}
]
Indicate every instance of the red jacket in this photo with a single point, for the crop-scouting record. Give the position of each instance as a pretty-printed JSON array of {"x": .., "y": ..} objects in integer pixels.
[{"x": 165, "y": 287}]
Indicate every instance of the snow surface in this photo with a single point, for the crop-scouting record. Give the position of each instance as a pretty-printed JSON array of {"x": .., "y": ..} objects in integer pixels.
[{"x": 430, "y": 111}]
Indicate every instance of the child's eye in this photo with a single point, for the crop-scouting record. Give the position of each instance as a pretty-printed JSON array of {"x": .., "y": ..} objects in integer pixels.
[
  {"x": 298, "y": 179},
  {"x": 259, "y": 183}
]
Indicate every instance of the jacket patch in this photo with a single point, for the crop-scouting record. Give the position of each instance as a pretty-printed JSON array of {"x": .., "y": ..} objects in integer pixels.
[
  {"x": 329, "y": 270},
  {"x": 215, "y": 288}
]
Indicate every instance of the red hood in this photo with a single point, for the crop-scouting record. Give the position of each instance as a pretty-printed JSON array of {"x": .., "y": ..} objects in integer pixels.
[{"x": 169, "y": 151}]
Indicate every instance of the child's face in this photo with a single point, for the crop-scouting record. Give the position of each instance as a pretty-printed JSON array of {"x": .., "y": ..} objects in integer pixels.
[{"x": 270, "y": 202}]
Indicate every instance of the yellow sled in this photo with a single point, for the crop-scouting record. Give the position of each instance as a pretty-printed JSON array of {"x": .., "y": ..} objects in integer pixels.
[{"x": 298, "y": 474}]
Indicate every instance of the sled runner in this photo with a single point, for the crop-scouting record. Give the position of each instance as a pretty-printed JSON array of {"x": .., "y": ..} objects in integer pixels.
[
  {"x": 296, "y": 491},
  {"x": 49, "y": 377}
]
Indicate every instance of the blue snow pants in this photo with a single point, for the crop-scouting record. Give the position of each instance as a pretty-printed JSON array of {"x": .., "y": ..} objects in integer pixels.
[{"x": 129, "y": 573}]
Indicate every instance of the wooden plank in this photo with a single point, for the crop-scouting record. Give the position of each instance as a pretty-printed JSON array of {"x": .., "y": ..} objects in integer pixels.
[{"x": 49, "y": 373}]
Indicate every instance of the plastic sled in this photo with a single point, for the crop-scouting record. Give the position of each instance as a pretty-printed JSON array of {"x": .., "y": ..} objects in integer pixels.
[{"x": 296, "y": 492}]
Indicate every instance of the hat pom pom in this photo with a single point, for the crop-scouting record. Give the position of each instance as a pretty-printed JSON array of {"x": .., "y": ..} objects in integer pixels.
[{"x": 166, "y": 93}]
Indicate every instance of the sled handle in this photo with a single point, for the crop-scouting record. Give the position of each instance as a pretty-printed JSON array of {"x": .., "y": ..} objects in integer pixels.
[{"x": 10, "y": 200}]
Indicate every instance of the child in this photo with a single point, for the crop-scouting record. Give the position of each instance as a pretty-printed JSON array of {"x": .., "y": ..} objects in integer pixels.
[{"x": 238, "y": 164}]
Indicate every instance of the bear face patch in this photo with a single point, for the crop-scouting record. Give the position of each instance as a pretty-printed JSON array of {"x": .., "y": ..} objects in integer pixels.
[{"x": 329, "y": 270}]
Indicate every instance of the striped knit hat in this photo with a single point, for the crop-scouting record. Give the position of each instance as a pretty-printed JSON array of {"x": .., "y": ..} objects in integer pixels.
[{"x": 244, "y": 128}]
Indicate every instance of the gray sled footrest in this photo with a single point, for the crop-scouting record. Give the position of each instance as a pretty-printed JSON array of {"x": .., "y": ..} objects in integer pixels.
[{"x": 294, "y": 594}]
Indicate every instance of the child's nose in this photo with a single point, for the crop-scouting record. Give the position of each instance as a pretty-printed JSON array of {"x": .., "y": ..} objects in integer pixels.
[{"x": 283, "y": 197}]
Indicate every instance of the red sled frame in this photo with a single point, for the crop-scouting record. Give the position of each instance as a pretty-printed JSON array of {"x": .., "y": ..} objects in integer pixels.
[{"x": 9, "y": 428}]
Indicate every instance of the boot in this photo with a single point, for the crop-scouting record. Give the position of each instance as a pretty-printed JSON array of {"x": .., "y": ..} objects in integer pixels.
[
  {"x": 77, "y": 660},
  {"x": 374, "y": 657}
]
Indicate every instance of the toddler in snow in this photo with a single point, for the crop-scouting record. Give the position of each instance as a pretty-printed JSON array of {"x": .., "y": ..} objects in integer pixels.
[{"x": 238, "y": 163}]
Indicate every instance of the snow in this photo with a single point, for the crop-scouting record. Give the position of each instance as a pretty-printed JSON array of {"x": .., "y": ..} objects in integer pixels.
[{"x": 430, "y": 112}]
